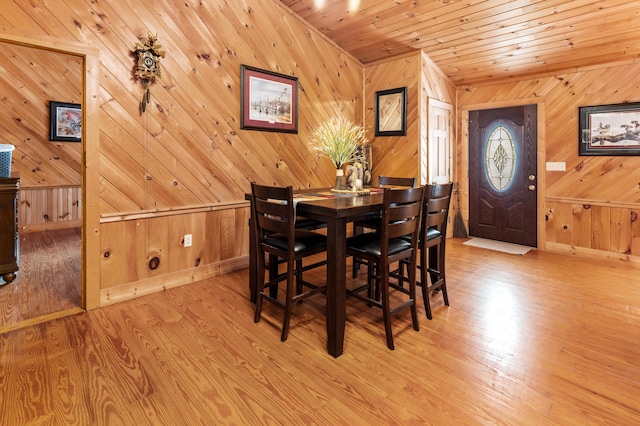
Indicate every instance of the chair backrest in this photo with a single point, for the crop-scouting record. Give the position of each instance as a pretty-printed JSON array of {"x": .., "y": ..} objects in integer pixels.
[
  {"x": 273, "y": 209},
  {"x": 396, "y": 181},
  {"x": 436, "y": 211},
  {"x": 401, "y": 214}
]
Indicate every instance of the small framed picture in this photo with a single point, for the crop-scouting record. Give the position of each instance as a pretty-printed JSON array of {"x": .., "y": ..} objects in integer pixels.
[
  {"x": 269, "y": 101},
  {"x": 391, "y": 112},
  {"x": 609, "y": 129},
  {"x": 65, "y": 122}
]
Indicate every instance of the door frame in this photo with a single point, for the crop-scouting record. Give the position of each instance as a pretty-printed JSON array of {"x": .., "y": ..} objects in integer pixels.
[
  {"x": 90, "y": 55},
  {"x": 462, "y": 158}
]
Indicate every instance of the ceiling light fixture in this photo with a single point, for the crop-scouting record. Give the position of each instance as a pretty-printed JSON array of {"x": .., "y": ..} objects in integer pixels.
[{"x": 354, "y": 5}]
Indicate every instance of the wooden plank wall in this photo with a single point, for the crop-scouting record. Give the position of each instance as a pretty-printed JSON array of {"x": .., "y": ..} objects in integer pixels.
[
  {"x": 610, "y": 228},
  {"x": 394, "y": 155},
  {"x": 404, "y": 155},
  {"x": 220, "y": 245},
  {"x": 50, "y": 172},
  {"x": 44, "y": 208},
  {"x": 29, "y": 79},
  {"x": 187, "y": 152},
  {"x": 188, "y": 149},
  {"x": 593, "y": 206}
]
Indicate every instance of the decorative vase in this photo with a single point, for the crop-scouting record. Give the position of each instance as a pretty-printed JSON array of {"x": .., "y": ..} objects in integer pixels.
[{"x": 340, "y": 183}]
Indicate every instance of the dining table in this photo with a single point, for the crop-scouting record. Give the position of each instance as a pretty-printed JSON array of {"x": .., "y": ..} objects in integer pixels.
[{"x": 336, "y": 210}]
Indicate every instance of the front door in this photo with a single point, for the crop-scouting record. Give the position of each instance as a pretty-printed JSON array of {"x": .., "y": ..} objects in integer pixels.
[{"x": 502, "y": 174}]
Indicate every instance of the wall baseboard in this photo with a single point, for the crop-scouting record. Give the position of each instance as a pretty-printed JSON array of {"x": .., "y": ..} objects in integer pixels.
[
  {"x": 588, "y": 252},
  {"x": 50, "y": 226},
  {"x": 131, "y": 290}
]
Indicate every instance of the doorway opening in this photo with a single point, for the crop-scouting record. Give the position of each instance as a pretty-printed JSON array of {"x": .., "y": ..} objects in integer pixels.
[{"x": 69, "y": 239}]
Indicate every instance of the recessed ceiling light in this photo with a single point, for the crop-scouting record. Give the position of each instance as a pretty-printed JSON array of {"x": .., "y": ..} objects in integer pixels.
[{"x": 354, "y": 5}]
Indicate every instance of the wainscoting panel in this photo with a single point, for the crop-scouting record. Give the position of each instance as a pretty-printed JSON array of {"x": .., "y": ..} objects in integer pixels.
[
  {"x": 611, "y": 229},
  {"x": 144, "y": 252},
  {"x": 42, "y": 209}
]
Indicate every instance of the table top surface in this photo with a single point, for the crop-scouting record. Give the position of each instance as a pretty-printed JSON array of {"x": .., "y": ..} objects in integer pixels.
[
  {"x": 323, "y": 203},
  {"x": 338, "y": 206}
]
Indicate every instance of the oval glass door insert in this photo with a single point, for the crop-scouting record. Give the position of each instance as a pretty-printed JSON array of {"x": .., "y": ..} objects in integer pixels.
[{"x": 500, "y": 159}]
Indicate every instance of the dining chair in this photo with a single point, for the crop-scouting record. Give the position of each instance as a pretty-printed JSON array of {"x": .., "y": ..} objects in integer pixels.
[
  {"x": 400, "y": 217},
  {"x": 373, "y": 221},
  {"x": 277, "y": 237},
  {"x": 300, "y": 223},
  {"x": 432, "y": 245},
  {"x": 392, "y": 181}
]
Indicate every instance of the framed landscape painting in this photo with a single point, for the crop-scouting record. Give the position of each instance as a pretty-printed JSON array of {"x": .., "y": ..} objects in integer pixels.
[
  {"x": 269, "y": 101},
  {"x": 610, "y": 129}
]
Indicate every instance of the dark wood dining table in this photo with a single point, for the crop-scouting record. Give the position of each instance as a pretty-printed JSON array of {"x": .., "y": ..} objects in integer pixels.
[{"x": 336, "y": 211}]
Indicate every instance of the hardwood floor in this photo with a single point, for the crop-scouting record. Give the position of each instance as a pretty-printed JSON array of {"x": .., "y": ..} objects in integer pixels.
[
  {"x": 49, "y": 279},
  {"x": 539, "y": 339}
]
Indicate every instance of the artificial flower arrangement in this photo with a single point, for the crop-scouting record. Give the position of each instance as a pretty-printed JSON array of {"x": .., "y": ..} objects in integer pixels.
[{"x": 340, "y": 141}]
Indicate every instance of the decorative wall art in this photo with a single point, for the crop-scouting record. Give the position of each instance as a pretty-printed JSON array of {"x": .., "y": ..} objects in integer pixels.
[
  {"x": 269, "y": 101},
  {"x": 148, "y": 52},
  {"x": 65, "y": 122},
  {"x": 610, "y": 129},
  {"x": 391, "y": 112}
]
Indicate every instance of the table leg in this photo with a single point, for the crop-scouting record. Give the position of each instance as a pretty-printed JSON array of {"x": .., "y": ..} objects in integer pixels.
[{"x": 336, "y": 285}]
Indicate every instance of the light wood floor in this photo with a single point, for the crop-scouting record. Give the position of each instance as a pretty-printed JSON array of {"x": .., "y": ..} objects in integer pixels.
[
  {"x": 49, "y": 279},
  {"x": 539, "y": 339}
]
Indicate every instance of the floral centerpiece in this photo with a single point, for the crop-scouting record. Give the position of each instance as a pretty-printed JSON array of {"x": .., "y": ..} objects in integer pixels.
[{"x": 338, "y": 139}]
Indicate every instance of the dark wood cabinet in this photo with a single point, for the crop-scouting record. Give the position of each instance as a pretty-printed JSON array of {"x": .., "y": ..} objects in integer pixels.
[{"x": 9, "y": 227}]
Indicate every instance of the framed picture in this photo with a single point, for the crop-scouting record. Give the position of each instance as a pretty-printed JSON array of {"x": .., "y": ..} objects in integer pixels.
[
  {"x": 269, "y": 101},
  {"x": 65, "y": 122},
  {"x": 391, "y": 112},
  {"x": 610, "y": 129}
]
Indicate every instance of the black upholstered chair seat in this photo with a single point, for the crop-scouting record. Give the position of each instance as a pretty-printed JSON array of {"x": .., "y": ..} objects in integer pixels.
[
  {"x": 304, "y": 241},
  {"x": 432, "y": 234},
  {"x": 369, "y": 244},
  {"x": 309, "y": 224},
  {"x": 371, "y": 222}
]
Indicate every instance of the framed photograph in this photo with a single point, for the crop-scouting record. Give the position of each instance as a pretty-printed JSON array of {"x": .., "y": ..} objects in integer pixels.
[
  {"x": 65, "y": 123},
  {"x": 391, "y": 112},
  {"x": 610, "y": 129},
  {"x": 269, "y": 101}
]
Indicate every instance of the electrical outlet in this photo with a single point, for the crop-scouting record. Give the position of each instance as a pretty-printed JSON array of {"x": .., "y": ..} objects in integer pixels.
[
  {"x": 187, "y": 241},
  {"x": 556, "y": 166}
]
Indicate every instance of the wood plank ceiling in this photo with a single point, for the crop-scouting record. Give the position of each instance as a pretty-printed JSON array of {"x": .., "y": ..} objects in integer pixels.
[{"x": 477, "y": 41}]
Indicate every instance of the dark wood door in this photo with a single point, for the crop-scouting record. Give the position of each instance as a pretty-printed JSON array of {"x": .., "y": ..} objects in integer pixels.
[{"x": 502, "y": 174}]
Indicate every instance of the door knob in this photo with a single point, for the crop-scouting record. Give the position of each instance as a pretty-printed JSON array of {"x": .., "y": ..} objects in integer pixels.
[
  {"x": 532, "y": 187},
  {"x": 532, "y": 177}
]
